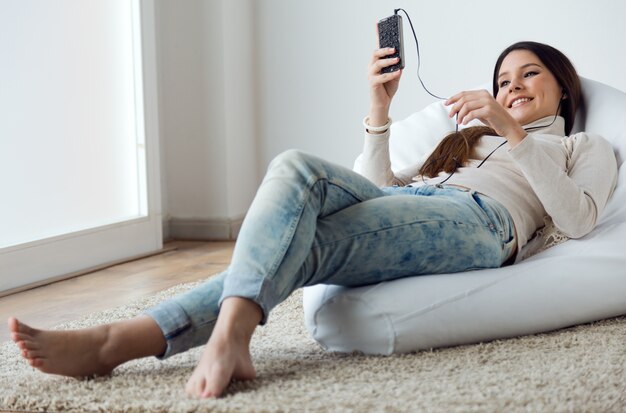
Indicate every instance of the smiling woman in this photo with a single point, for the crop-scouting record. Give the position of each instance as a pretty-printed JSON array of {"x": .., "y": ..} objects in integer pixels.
[{"x": 531, "y": 81}]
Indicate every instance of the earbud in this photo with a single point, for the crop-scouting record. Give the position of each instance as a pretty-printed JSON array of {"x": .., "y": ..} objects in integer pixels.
[{"x": 563, "y": 96}]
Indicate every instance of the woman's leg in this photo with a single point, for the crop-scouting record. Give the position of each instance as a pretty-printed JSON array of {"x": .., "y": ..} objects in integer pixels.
[
  {"x": 377, "y": 239},
  {"x": 91, "y": 351}
]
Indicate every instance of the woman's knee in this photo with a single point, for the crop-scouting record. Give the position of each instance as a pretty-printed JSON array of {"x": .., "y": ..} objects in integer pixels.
[
  {"x": 296, "y": 160},
  {"x": 290, "y": 156}
]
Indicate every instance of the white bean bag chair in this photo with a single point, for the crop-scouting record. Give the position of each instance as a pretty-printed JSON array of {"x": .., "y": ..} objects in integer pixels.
[{"x": 575, "y": 282}]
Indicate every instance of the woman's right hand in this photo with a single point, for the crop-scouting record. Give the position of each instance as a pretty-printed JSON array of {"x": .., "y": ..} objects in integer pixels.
[{"x": 383, "y": 86}]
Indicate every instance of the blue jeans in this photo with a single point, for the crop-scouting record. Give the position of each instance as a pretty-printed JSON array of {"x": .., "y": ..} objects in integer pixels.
[{"x": 315, "y": 222}]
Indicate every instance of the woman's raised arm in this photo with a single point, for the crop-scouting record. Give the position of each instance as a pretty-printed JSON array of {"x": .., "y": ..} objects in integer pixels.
[{"x": 383, "y": 86}]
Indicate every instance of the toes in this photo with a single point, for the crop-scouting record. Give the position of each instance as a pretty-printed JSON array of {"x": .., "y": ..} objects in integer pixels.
[
  {"x": 201, "y": 387},
  {"x": 26, "y": 344},
  {"x": 24, "y": 329},
  {"x": 17, "y": 327},
  {"x": 32, "y": 354},
  {"x": 30, "y": 345},
  {"x": 13, "y": 324},
  {"x": 195, "y": 386},
  {"x": 21, "y": 338},
  {"x": 217, "y": 383},
  {"x": 208, "y": 391},
  {"x": 214, "y": 389}
]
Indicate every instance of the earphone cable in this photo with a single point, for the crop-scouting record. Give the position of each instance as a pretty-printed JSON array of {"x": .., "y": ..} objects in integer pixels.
[
  {"x": 556, "y": 115},
  {"x": 417, "y": 47}
]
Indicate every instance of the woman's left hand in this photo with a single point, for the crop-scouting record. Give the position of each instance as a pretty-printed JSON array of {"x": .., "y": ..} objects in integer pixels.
[{"x": 479, "y": 104}]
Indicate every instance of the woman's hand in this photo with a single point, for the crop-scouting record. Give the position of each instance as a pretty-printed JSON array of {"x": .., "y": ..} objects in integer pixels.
[
  {"x": 479, "y": 104},
  {"x": 382, "y": 86}
]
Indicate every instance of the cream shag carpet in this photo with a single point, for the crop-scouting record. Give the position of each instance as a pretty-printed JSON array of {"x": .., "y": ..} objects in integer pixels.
[{"x": 580, "y": 369}]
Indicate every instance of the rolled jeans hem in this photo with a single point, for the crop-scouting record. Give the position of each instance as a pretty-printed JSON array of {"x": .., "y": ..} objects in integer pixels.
[
  {"x": 264, "y": 296},
  {"x": 172, "y": 320}
]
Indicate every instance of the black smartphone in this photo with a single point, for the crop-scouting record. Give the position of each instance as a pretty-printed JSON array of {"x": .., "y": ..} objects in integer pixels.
[{"x": 390, "y": 35}]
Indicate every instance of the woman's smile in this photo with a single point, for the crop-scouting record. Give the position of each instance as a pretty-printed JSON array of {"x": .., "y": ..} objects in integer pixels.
[
  {"x": 528, "y": 90},
  {"x": 519, "y": 101}
]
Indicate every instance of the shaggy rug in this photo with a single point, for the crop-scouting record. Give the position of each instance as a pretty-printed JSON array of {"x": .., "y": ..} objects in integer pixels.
[{"x": 579, "y": 369}]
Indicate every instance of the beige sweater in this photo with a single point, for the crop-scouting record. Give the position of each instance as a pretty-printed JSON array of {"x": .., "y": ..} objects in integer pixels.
[{"x": 569, "y": 178}]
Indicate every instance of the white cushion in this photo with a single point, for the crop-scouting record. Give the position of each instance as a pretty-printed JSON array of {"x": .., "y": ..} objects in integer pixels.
[{"x": 575, "y": 282}]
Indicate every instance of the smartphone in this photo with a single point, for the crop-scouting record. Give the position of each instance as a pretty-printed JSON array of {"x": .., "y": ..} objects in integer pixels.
[{"x": 390, "y": 35}]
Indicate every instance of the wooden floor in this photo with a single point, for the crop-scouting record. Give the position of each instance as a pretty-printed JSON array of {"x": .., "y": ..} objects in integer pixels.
[{"x": 67, "y": 300}]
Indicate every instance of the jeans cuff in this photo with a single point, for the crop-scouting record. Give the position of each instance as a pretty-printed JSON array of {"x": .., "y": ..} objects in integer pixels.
[
  {"x": 261, "y": 292},
  {"x": 173, "y": 321}
]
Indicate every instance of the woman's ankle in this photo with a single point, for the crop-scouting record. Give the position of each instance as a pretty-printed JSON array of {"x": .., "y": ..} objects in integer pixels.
[
  {"x": 132, "y": 339},
  {"x": 238, "y": 318}
]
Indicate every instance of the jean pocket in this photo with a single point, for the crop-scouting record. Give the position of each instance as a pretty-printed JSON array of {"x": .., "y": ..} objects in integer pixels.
[
  {"x": 482, "y": 210},
  {"x": 497, "y": 217}
]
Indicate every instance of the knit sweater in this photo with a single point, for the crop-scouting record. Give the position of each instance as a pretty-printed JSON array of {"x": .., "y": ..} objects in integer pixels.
[{"x": 569, "y": 178}]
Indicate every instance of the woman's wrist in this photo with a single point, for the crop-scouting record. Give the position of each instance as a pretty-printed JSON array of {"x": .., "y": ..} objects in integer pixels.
[
  {"x": 515, "y": 136},
  {"x": 378, "y": 115},
  {"x": 377, "y": 121}
]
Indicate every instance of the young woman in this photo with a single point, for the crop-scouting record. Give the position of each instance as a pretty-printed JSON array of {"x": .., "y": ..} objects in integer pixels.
[{"x": 315, "y": 222}]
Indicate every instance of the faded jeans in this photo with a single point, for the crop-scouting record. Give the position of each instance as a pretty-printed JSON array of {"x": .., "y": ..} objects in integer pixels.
[{"x": 315, "y": 222}]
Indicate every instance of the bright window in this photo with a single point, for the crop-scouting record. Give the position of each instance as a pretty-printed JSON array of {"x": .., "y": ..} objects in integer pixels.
[{"x": 72, "y": 141}]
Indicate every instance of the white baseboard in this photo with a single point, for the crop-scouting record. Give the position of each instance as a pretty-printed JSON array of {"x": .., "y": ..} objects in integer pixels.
[{"x": 202, "y": 229}]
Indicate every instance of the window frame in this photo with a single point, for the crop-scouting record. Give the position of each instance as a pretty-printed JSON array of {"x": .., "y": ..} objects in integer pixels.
[{"x": 35, "y": 263}]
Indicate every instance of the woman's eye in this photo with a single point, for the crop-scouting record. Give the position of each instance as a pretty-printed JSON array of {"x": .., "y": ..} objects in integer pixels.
[
  {"x": 504, "y": 83},
  {"x": 529, "y": 74}
]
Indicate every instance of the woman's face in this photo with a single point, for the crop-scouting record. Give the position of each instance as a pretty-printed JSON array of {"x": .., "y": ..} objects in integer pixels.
[{"x": 527, "y": 89}]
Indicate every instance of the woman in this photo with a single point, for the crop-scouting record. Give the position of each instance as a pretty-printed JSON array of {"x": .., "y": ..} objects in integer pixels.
[{"x": 314, "y": 222}]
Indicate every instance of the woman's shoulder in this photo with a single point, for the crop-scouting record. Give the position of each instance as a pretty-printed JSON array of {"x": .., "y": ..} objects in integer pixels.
[
  {"x": 587, "y": 140},
  {"x": 591, "y": 149}
]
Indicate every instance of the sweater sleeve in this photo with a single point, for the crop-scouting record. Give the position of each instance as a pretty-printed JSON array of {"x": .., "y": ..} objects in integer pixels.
[
  {"x": 375, "y": 162},
  {"x": 575, "y": 188}
]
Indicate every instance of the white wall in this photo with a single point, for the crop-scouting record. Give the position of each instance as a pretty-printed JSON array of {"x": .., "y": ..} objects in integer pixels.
[
  {"x": 207, "y": 114},
  {"x": 243, "y": 80}
]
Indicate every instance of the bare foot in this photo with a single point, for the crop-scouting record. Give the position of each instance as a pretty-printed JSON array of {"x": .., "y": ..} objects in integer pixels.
[
  {"x": 68, "y": 353},
  {"x": 87, "y": 352},
  {"x": 226, "y": 356},
  {"x": 222, "y": 361}
]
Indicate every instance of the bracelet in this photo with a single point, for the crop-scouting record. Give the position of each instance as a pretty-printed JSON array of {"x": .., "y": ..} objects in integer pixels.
[{"x": 369, "y": 128}]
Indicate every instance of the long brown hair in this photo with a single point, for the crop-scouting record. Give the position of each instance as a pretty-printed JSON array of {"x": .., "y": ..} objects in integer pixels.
[{"x": 454, "y": 150}]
